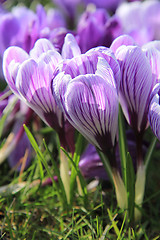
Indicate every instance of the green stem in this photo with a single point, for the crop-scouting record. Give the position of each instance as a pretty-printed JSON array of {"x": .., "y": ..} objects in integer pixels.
[
  {"x": 150, "y": 152},
  {"x": 106, "y": 165}
]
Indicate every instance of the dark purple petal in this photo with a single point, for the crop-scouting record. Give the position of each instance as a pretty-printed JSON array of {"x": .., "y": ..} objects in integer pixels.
[{"x": 91, "y": 165}]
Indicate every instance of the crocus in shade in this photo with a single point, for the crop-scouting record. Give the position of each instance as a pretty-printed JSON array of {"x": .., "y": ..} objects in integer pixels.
[
  {"x": 85, "y": 89},
  {"x": 154, "y": 111},
  {"x": 29, "y": 77},
  {"x": 98, "y": 24},
  {"x": 108, "y": 4},
  {"x": 22, "y": 148}
]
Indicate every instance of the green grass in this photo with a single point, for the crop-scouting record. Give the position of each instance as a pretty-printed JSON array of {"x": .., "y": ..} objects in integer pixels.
[{"x": 35, "y": 211}]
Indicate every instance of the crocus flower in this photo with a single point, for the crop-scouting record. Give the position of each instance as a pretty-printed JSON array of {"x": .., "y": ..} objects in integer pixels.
[
  {"x": 29, "y": 77},
  {"x": 135, "y": 86},
  {"x": 145, "y": 26},
  {"x": 91, "y": 165},
  {"x": 21, "y": 149},
  {"x": 85, "y": 89},
  {"x": 98, "y": 24}
]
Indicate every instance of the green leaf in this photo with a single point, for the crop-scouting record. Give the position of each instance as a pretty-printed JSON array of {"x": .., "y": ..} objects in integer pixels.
[
  {"x": 122, "y": 145},
  {"x": 106, "y": 165},
  {"x": 150, "y": 152},
  {"x": 78, "y": 151},
  {"x": 57, "y": 172},
  {"x": 42, "y": 159}
]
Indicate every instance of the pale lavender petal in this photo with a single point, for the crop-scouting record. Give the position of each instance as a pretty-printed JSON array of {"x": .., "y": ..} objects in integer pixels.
[
  {"x": 70, "y": 48},
  {"x": 104, "y": 70},
  {"x": 152, "y": 44},
  {"x": 122, "y": 40},
  {"x": 153, "y": 56},
  {"x": 41, "y": 46},
  {"x": 12, "y": 59},
  {"x": 108, "y": 55},
  {"x": 93, "y": 109}
]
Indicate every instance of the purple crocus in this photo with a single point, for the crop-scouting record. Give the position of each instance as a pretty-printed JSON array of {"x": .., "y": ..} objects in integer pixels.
[
  {"x": 22, "y": 147},
  {"x": 85, "y": 87},
  {"x": 136, "y": 83},
  {"x": 98, "y": 24},
  {"x": 29, "y": 77},
  {"x": 139, "y": 73},
  {"x": 145, "y": 26}
]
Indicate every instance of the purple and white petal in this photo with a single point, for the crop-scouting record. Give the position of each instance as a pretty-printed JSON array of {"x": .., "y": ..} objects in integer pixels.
[
  {"x": 153, "y": 55},
  {"x": 136, "y": 85},
  {"x": 41, "y": 46},
  {"x": 33, "y": 83},
  {"x": 122, "y": 40},
  {"x": 104, "y": 70},
  {"x": 93, "y": 109},
  {"x": 12, "y": 59},
  {"x": 109, "y": 56},
  {"x": 154, "y": 111},
  {"x": 70, "y": 47}
]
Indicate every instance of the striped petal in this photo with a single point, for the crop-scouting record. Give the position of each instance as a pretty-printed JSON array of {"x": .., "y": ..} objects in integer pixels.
[
  {"x": 33, "y": 83},
  {"x": 136, "y": 85},
  {"x": 153, "y": 55},
  {"x": 93, "y": 109},
  {"x": 108, "y": 55},
  {"x": 154, "y": 111},
  {"x": 12, "y": 59},
  {"x": 122, "y": 40}
]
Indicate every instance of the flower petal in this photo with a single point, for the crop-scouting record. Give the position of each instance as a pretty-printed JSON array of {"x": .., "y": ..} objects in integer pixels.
[
  {"x": 154, "y": 111},
  {"x": 93, "y": 109},
  {"x": 41, "y": 46},
  {"x": 153, "y": 56},
  {"x": 70, "y": 48},
  {"x": 12, "y": 59},
  {"x": 122, "y": 40},
  {"x": 136, "y": 85},
  {"x": 33, "y": 83}
]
